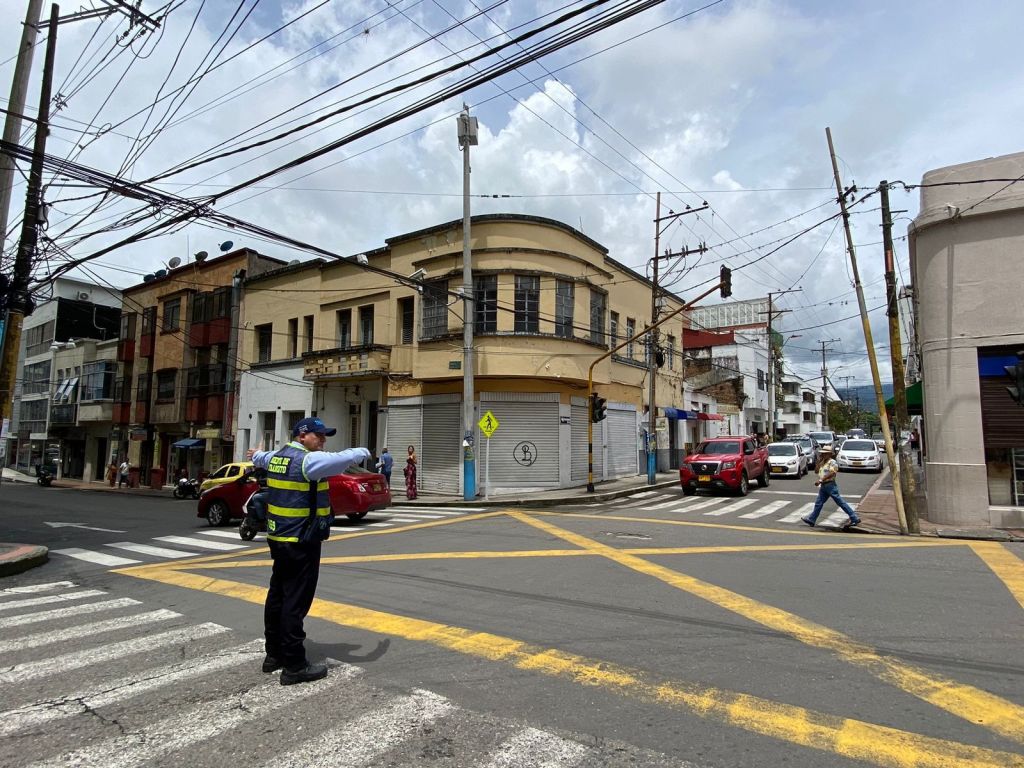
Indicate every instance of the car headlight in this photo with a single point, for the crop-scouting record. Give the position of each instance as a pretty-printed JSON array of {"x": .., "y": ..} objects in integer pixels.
[
  {"x": 728, "y": 465},
  {"x": 791, "y": 462}
]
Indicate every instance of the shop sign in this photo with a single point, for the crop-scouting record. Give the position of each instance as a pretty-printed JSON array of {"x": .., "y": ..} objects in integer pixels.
[
  {"x": 208, "y": 434},
  {"x": 139, "y": 435}
]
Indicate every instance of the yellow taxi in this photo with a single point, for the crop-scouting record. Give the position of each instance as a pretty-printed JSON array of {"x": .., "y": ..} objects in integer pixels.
[{"x": 226, "y": 474}]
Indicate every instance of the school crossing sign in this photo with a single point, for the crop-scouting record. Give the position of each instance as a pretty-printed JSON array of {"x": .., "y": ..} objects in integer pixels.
[{"x": 488, "y": 424}]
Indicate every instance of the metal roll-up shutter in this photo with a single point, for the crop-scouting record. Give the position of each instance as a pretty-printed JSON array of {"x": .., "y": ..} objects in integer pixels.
[
  {"x": 578, "y": 434},
  {"x": 403, "y": 429},
  {"x": 1002, "y": 420},
  {"x": 440, "y": 461},
  {"x": 622, "y": 443},
  {"x": 524, "y": 450}
]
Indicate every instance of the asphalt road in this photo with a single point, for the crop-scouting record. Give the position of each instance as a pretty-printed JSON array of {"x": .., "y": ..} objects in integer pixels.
[{"x": 605, "y": 635}]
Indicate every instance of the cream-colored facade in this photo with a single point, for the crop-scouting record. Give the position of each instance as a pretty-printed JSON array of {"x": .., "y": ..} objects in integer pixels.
[
  {"x": 383, "y": 360},
  {"x": 964, "y": 257}
]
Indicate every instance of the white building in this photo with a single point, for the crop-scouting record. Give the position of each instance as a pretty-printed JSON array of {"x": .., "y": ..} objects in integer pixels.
[{"x": 800, "y": 409}]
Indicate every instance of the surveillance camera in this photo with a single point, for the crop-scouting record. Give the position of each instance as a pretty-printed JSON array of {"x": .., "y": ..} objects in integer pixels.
[
  {"x": 419, "y": 274},
  {"x": 361, "y": 259}
]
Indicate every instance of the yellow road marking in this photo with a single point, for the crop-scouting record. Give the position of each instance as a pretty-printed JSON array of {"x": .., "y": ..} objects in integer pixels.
[
  {"x": 855, "y": 739},
  {"x": 972, "y": 704},
  {"x": 1004, "y": 564},
  {"x": 512, "y": 554}
]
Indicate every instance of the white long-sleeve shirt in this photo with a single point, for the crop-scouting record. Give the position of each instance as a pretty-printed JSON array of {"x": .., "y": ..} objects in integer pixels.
[{"x": 317, "y": 465}]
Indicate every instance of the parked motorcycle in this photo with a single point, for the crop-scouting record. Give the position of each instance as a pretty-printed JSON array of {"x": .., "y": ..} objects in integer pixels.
[
  {"x": 44, "y": 476},
  {"x": 255, "y": 519},
  {"x": 186, "y": 489}
]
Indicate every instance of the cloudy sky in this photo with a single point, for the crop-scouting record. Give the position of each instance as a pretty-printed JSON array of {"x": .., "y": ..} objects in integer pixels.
[{"x": 721, "y": 102}]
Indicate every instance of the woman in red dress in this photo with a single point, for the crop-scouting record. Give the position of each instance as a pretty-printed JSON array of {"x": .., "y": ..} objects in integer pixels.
[{"x": 410, "y": 474}]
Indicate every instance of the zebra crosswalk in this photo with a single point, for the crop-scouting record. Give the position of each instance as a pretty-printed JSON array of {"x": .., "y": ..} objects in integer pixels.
[
  {"x": 127, "y": 685},
  {"x": 753, "y": 507}
]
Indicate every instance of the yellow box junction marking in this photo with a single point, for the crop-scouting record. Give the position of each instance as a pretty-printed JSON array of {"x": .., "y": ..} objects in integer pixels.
[
  {"x": 855, "y": 739},
  {"x": 1004, "y": 564},
  {"x": 488, "y": 424},
  {"x": 970, "y": 703}
]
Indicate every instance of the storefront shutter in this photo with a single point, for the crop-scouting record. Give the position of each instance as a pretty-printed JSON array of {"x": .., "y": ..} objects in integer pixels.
[
  {"x": 403, "y": 430},
  {"x": 440, "y": 461},
  {"x": 524, "y": 449},
  {"x": 622, "y": 443},
  {"x": 580, "y": 418}
]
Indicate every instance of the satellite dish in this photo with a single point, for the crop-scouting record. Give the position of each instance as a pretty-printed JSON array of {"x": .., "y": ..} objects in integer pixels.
[
  {"x": 201, "y": 256},
  {"x": 293, "y": 262},
  {"x": 148, "y": 278},
  {"x": 160, "y": 273},
  {"x": 227, "y": 245},
  {"x": 174, "y": 263}
]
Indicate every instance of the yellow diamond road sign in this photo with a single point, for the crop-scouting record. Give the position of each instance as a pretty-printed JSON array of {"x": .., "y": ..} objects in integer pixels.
[{"x": 488, "y": 424}]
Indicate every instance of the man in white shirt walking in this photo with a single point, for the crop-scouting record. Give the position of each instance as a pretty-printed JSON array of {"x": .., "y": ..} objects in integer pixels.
[{"x": 828, "y": 488}]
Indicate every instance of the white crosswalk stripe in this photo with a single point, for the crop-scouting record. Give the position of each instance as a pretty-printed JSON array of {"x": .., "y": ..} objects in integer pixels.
[
  {"x": 642, "y": 503},
  {"x": 229, "y": 533},
  {"x": 423, "y": 515},
  {"x": 31, "y": 602},
  {"x": 439, "y": 510},
  {"x": 62, "y": 613},
  {"x": 89, "y": 556},
  {"x": 734, "y": 507},
  {"x": 642, "y": 495},
  {"x": 32, "y": 588},
  {"x": 404, "y": 519},
  {"x": 794, "y": 517},
  {"x": 87, "y": 630},
  {"x": 837, "y": 519},
  {"x": 768, "y": 509},
  {"x": 186, "y": 541},
  {"x": 147, "y": 549},
  {"x": 380, "y": 525},
  {"x": 712, "y": 502},
  {"x": 197, "y": 724},
  {"x": 537, "y": 749},
  {"x": 361, "y": 741},
  {"x": 40, "y": 713},
  {"x": 55, "y": 665},
  {"x": 675, "y": 500}
]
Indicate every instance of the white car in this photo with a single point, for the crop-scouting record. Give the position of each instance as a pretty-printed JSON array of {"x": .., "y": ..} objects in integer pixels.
[
  {"x": 859, "y": 454},
  {"x": 787, "y": 458}
]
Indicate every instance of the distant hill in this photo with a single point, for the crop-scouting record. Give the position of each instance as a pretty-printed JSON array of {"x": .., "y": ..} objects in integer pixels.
[{"x": 866, "y": 393}]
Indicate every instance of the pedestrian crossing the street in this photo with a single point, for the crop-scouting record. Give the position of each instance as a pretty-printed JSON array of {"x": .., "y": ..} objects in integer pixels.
[
  {"x": 127, "y": 685},
  {"x": 754, "y": 507},
  {"x": 117, "y": 554}
]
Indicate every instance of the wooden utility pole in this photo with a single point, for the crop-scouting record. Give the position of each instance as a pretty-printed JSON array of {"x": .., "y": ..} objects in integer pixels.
[
  {"x": 19, "y": 301},
  {"x": 899, "y": 385},
  {"x": 652, "y": 340},
  {"x": 824, "y": 382},
  {"x": 868, "y": 340}
]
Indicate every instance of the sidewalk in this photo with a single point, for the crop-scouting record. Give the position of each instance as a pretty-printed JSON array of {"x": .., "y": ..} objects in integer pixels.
[{"x": 877, "y": 508}]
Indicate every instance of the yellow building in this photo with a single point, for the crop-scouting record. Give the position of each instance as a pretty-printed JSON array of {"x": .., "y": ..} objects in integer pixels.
[{"x": 383, "y": 361}]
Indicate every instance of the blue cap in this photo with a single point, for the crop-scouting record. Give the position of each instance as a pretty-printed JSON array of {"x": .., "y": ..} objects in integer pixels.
[{"x": 312, "y": 424}]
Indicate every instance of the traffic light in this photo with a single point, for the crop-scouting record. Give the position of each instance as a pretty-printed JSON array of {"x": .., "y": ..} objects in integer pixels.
[
  {"x": 1016, "y": 374},
  {"x": 598, "y": 408},
  {"x": 726, "y": 278}
]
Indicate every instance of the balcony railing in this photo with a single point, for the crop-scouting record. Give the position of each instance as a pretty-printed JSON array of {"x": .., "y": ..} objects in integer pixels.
[
  {"x": 346, "y": 363},
  {"x": 205, "y": 380}
]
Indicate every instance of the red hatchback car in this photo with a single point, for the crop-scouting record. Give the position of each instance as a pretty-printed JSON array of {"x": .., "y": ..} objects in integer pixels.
[{"x": 353, "y": 493}]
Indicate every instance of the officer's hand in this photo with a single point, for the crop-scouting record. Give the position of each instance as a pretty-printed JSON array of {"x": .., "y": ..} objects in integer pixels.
[
  {"x": 365, "y": 453},
  {"x": 250, "y": 453}
]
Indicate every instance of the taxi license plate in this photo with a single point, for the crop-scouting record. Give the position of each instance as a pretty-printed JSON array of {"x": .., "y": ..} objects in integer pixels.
[
  {"x": 778, "y": 469},
  {"x": 376, "y": 486},
  {"x": 857, "y": 461},
  {"x": 703, "y": 478}
]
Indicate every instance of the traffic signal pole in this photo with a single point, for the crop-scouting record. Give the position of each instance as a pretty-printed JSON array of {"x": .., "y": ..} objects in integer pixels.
[{"x": 726, "y": 280}]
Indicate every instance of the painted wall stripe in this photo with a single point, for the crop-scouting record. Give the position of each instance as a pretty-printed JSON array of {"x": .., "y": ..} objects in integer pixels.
[
  {"x": 877, "y": 744},
  {"x": 972, "y": 704},
  {"x": 363, "y": 740},
  {"x": 31, "y": 602},
  {"x": 63, "y": 613},
  {"x": 43, "y": 712},
  {"x": 56, "y": 665},
  {"x": 87, "y": 630}
]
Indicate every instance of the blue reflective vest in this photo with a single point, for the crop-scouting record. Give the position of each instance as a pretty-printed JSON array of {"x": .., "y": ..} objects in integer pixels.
[{"x": 290, "y": 514}]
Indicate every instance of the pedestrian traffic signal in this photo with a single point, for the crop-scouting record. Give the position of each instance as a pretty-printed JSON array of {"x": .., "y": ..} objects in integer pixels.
[
  {"x": 726, "y": 282},
  {"x": 598, "y": 408},
  {"x": 1016, "y": 374}
]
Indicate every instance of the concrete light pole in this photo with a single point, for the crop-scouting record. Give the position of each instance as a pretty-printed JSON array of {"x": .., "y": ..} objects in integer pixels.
[{"x": 467, "y": 138}]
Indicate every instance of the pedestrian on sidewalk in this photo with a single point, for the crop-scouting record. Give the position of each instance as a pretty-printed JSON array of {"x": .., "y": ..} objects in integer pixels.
[
  {"x": 386, "y": 464},
  {"x": 122, "y": 473},
  {"x": 915, "y": 444},
  {"x": 410, "y": 473},
  {"x": 828, "y": 488},
  {"x": 298, "y": 521},
  {"x": 112, "y": 474}
]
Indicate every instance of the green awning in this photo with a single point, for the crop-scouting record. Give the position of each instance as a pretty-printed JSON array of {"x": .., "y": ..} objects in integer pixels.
[{"x": 913, "y": 400}]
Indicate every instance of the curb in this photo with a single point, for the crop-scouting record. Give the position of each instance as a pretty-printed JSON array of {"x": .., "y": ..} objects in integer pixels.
[
  {"x": 21, "y": 558},
  {"x": 551, "y": 502}
]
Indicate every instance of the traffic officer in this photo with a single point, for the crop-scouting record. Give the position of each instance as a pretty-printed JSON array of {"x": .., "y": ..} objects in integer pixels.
[{"x": 298, "y": 519}]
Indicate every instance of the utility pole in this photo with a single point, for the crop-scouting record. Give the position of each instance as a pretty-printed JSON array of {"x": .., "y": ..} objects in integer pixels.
[
  {"x": 19, "y": 301},
  {"x": 868, "y": 340},
  {"x": 16, "y": 105},
  {"x": 652, "y": 340},
  {"x": 771, "y": 356},
  {"x": 899, "y": 384},
  {"x": 467, "y": 138},
  {"x": 824, "y": 381}
]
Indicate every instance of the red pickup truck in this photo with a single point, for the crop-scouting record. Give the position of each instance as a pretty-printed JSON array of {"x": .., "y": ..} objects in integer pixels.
[{"x": 726, "y": 463}]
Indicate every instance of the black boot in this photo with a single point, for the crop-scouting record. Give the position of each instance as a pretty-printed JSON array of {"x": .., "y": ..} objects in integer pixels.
[{"x": 306, "y": 674}]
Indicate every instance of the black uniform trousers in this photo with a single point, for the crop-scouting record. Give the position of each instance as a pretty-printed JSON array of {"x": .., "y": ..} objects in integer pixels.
[{"x": 292, "y": 586}]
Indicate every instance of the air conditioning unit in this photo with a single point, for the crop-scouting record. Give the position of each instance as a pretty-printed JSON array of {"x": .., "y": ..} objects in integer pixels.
[{"x": 83, "y": 296}]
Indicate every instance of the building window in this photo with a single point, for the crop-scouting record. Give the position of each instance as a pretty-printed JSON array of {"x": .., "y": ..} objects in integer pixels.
[
  {"x": 128, "y": 320},
  {"x": 97, "y": 380},
  {"x": 221, "y": 302},
  {"x": 630, "y": 333},
  {"x": 142, "y": 387},
  {"x": 527, "y": 304},
  {"x": 166, "y": 381},
  {"x": 406, "y": 311},
  {"x": 762, "y": 380},
  {"x": 38, "y": 339},
  {"x": 148, "y": 321},
  {"x": 308, "y": 333},
  {"x": 565, "y": 300},
  {"x": 344, "y": 328},
  {"x": 435, "y": 309},
  {"x": 293, "y": 337},
  {"x": 613, "y": 329},
  {"x": 366, "y": 326},
  {"x": 671, "y": 352},
  {"x": 36, "y": 378},
  {"x": 485, "y": 304},
  {"x": 597, "y": 301},
  {"x": 172, "y": 315},
  {"x": 199, "y": 308},
  {"x": 264, "y": 339}
]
